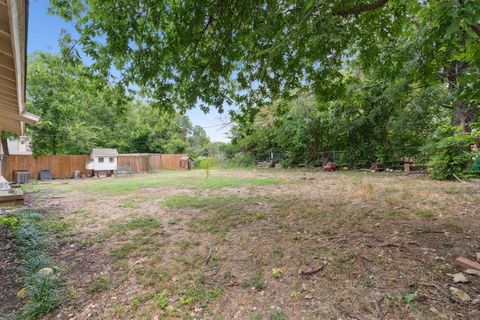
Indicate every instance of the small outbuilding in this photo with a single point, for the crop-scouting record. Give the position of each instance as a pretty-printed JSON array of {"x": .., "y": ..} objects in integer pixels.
[
  {"x": 186, "y": 163},
  {"x": 103, "y": 162}
]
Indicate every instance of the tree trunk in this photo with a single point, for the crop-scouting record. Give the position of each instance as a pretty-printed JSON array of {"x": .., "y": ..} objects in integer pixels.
[
  {"x": 54, "y": 145},
  {"x": 463, "y": 114}
]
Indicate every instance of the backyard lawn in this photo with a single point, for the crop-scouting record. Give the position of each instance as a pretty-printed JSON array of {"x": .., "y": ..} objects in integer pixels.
[{"x": 261, "y": 244}]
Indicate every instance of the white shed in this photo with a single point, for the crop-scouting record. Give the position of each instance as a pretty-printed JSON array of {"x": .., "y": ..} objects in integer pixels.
[{"x": 103, "y": 161}]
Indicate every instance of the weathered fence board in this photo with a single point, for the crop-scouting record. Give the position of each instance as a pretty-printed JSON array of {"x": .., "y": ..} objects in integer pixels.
[
  {"x": 171, "y": 161},
  {"x": 60, "y": 166},
  {"x": 63, "y": 166}
]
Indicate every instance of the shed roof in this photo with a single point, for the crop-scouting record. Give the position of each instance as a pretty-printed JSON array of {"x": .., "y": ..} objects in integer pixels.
[
  {"x": 104, "y": 152},
  {"x": 186, "y": 158}
]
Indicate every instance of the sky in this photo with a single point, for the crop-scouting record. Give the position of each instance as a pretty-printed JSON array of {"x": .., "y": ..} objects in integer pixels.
[{"x": 44, "y": 31}]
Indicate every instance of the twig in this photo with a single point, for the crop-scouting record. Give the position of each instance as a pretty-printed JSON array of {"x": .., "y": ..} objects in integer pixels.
[
  {"x": 347, "y": 312},
  {"x": 457, "y": 178},
  {"x": 378, "y": 307},
  {"x": 216, "y": 271},
  {"x": 310, "y": 272},
  {"x": 365, "y": 262},
  {"x": 70, "y": 51},
  {"x": 231, "y": 284},
  {"x": 209, "y": 256},
  {"x": 389, "y": 244},
  {"x": 442, "y": 291}
]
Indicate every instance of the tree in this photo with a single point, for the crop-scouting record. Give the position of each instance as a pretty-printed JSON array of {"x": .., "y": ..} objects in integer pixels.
[
  {"x": 252, "y": 52},
  {"x": 80, "y": 111},
  {"x": 199, "y": 142},
  {"x": 212, "y": 52},
  {"x": 73, "y": 104}
]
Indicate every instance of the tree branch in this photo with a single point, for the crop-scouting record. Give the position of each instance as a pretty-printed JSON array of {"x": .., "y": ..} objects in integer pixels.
[{"x": 358, "y": 9}]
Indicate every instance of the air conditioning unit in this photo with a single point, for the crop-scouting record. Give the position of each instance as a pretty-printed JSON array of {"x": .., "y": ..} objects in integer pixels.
[
  {"x": 22, "y": 176},
  {"x": 45, "y": 174}
]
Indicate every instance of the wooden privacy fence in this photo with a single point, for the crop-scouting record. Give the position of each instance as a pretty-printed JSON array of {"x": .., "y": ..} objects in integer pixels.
[
  {"x": 63, "y": 166},
  {"x": 149, "y": 162}
]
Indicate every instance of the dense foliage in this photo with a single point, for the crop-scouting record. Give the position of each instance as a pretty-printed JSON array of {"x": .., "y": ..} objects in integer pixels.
[
  {"x": 80, "y": 111},
  {"x": 375, "y": 122},
  {"x": 450, "y": 154},
  {"x": 250, "y": 52},
  {"x": 375, "y": 79}
]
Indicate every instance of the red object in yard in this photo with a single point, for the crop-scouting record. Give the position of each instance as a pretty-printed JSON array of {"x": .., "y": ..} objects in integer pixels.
[{"x": 329, "y": 166}]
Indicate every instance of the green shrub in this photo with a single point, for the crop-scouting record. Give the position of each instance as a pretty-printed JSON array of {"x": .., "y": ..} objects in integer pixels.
[
  {"x": 9, "y": 221},
  {"x": 450, "y": 155},
  {"x": 240, "y": 161}
]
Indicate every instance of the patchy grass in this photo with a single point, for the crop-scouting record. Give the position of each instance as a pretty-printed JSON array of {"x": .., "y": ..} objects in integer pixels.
[
  {"x": 137, "y": 224},
  {"x": 227, "y": 211},
  {"x": 123, "y": 185},
  {"x": 233, "y": 245}
]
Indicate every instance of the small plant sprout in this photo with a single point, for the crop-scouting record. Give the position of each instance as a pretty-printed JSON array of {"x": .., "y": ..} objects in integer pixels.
[
  {"x": 277, "y": 273},
  {"x": 162, "y": 299},
  {"x": 410, "y": 298},
  {"x": 206, "y": 164}
]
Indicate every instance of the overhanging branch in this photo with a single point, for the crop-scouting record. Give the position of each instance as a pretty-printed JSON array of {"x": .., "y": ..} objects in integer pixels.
[{"x": 358, "y": 9}]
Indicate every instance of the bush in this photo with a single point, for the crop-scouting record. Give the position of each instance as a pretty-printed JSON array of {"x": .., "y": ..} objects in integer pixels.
[
  {"x": 9, "y": 221},
  {"x": 240, "y": 161},
  {"x": 450, "y": 155}
]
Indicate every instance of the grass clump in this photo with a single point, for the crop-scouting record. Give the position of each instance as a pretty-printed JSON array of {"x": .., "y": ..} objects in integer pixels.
[
  {"x": 100, "y": 284},
  {"x": 42, "y": 290},
  {"x": 255, "y": 282},
  {"x": 451, "y": 225},
  {"x": 424, "y": 213},
  {"x": 199, "y": 294},
  {"x": 143, "y": 223},
  {"x": 161, "y": 300}
]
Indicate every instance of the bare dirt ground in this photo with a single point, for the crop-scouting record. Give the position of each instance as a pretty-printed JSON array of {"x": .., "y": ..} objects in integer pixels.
[{"x": 238, "y": 244}]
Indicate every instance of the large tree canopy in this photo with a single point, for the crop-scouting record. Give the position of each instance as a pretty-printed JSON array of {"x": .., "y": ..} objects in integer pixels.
[{"x": 249, "y": 52}]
